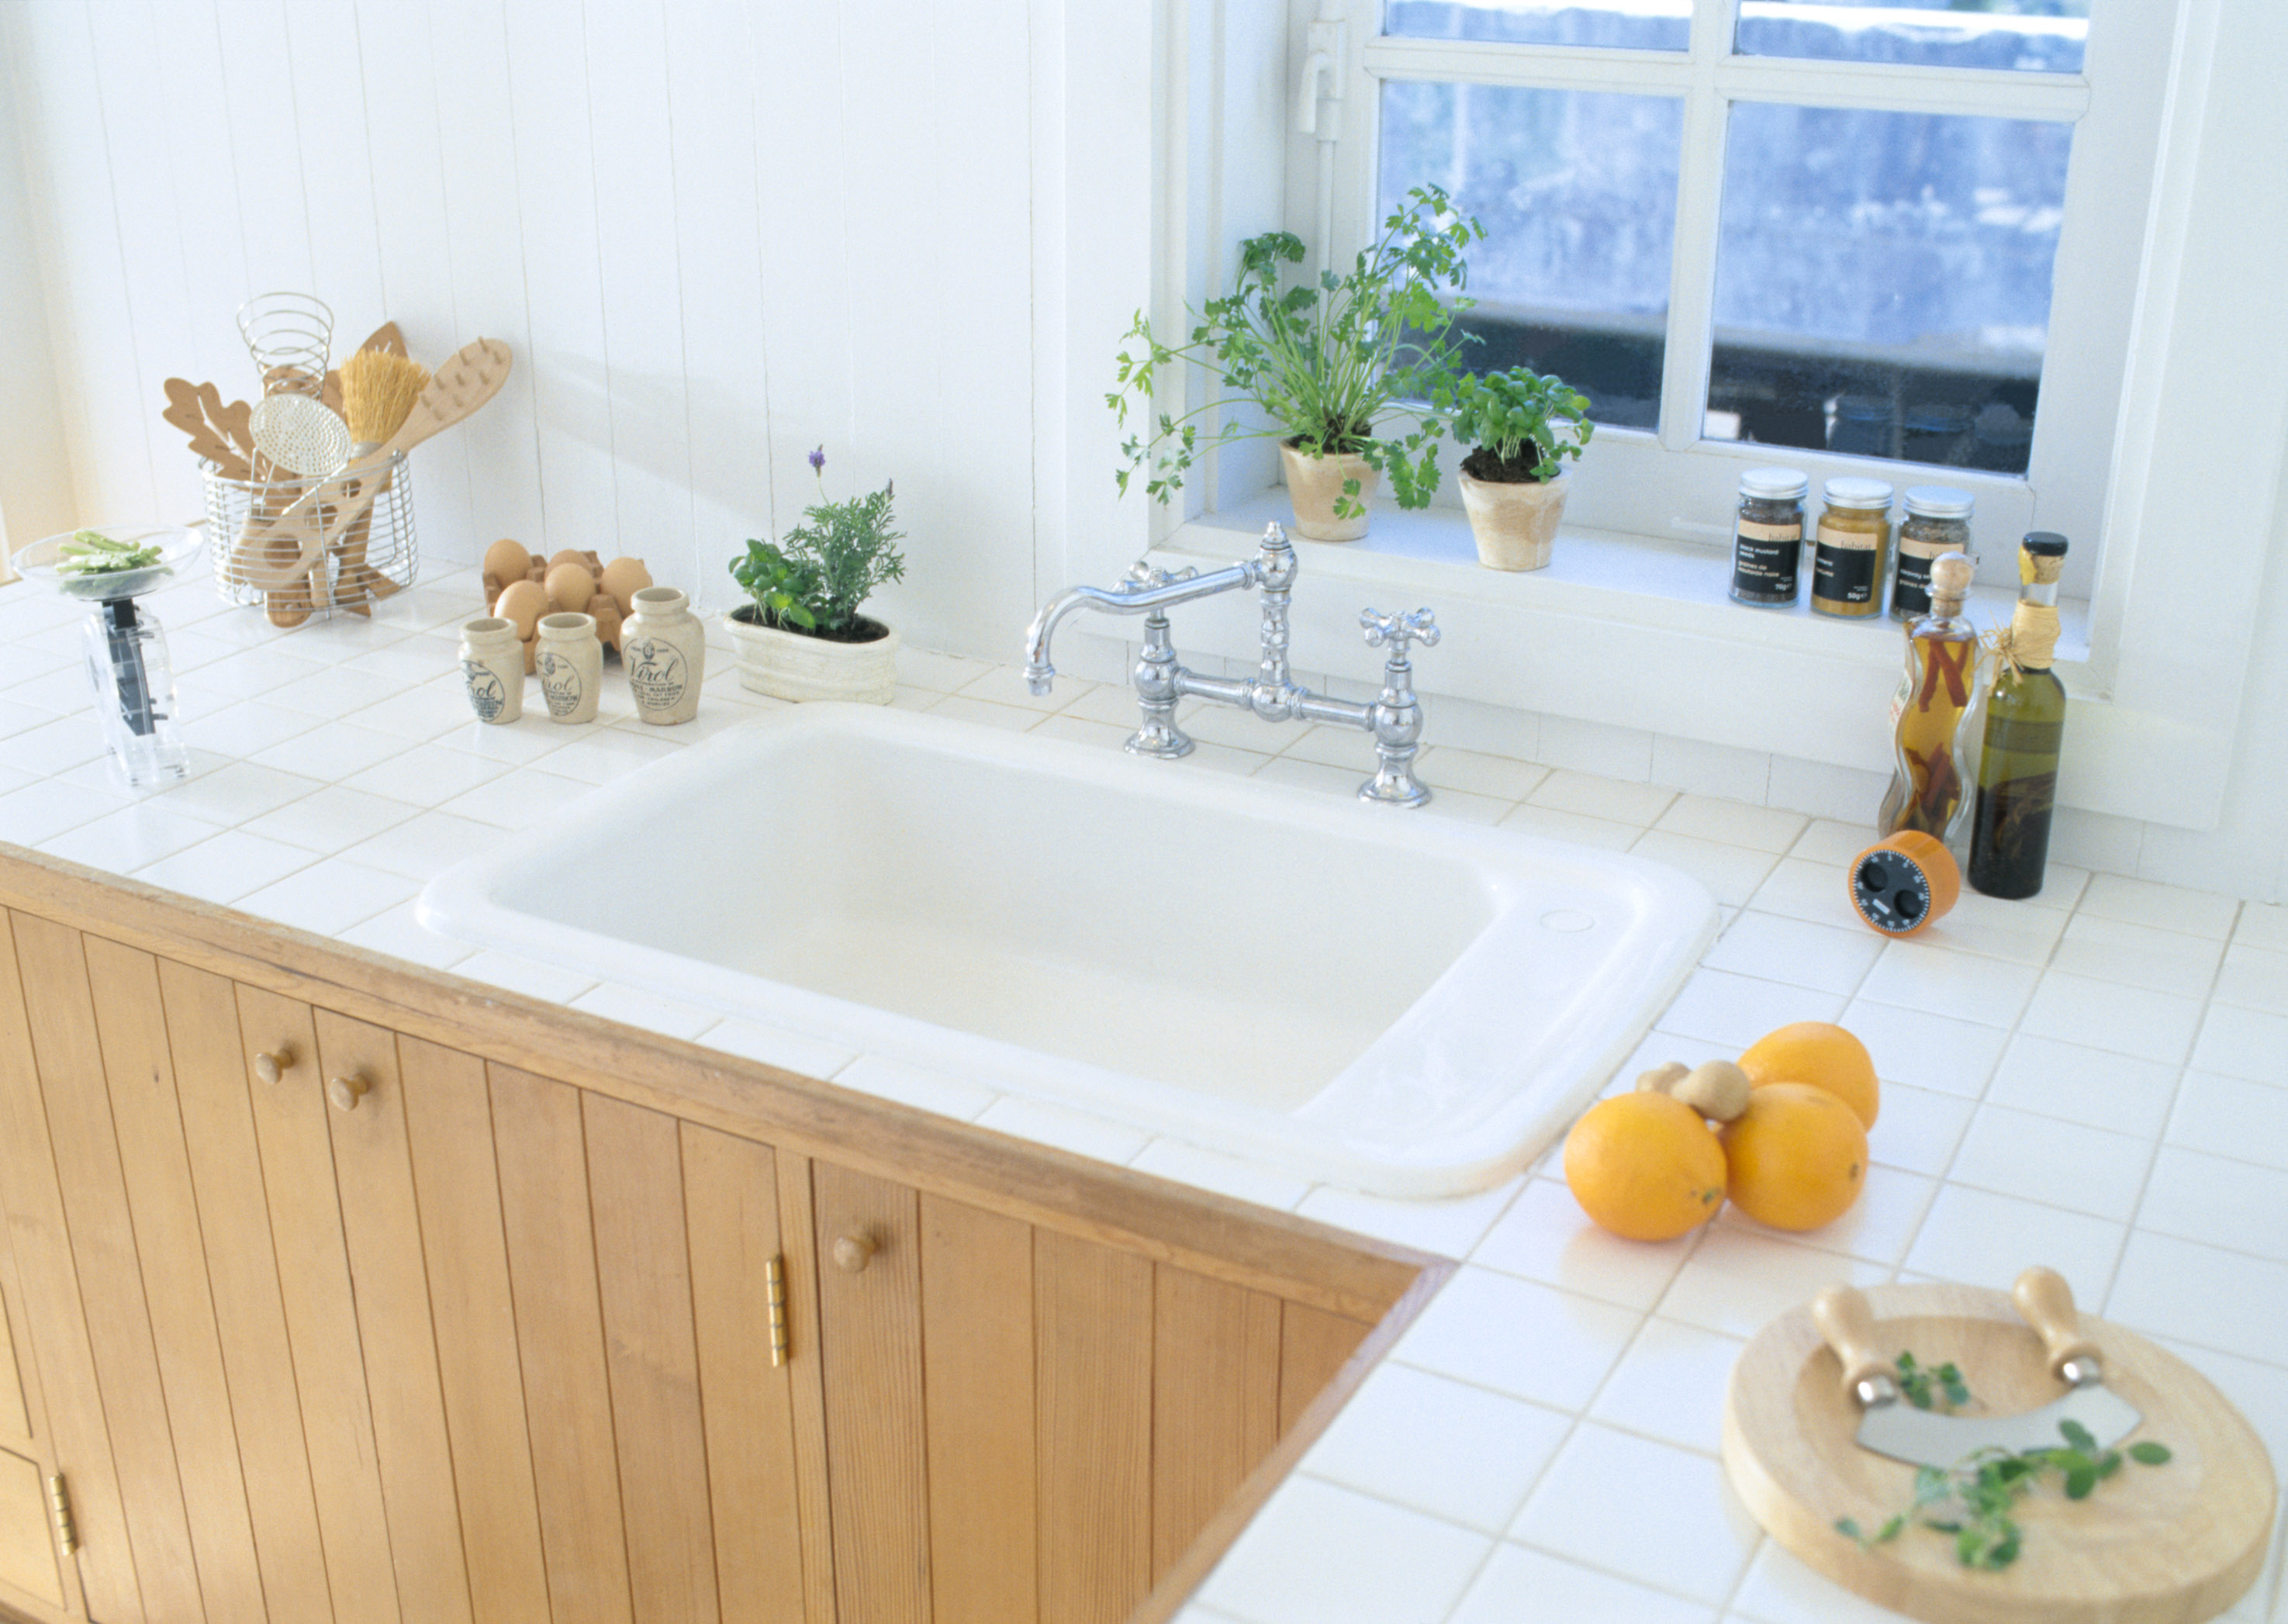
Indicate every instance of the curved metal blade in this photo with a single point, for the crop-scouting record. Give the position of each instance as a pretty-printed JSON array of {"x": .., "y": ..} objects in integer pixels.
[{"x": 1924, "y": 1438}]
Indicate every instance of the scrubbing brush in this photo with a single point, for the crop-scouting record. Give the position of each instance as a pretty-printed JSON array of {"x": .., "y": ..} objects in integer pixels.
[{"x": 378, "y": 390}]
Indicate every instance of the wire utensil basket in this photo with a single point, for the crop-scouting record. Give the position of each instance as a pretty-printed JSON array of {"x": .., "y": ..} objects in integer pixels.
[{"x": 372, "y": 556}]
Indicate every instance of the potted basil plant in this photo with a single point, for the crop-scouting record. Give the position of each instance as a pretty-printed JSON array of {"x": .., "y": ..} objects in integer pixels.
[
  {"x": 1522, "y": 424},
  {"x": 801, "y": 637},
  {"x": 1341, "y": 367}
]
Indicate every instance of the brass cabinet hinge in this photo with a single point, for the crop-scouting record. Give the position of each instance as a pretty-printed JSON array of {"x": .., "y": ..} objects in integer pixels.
[
  {"x": 60, "y": 1507},
  {"x": 775, "y": 1292}
]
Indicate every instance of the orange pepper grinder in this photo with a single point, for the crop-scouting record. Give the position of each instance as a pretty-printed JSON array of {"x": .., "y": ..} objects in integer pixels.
[{"x": 1902, "y": 885}]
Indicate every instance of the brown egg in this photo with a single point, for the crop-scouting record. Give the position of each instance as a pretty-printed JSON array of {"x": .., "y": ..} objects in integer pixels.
[
  {"x": 567, "y": 555},
  {"x": 624, "y": 578},
  {"x": 608, "y": 620},
  {"x": 570, "y": 586},
  {"x": 507, "y": 560},
  {"x": 523, "y": 602}
]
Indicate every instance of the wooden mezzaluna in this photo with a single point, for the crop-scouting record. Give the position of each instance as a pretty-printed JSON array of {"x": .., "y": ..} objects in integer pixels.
[{"x": 489, "y": 1338}]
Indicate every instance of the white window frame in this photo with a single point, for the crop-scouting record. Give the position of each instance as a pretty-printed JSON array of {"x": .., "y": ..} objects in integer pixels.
[{"x": 1642, "y": 639}]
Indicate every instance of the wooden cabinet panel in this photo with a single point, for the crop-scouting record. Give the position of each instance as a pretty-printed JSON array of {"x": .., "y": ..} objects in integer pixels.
[
  {"x": 448, "y": 1129},
  {"x": 1215, "y": 1400},
  {"x": 977, "y": 1340},
  {"x": 15, "y": 1417},
  {"x": 871, "y": 1347},
  {"x": 1313, "y": 1345},
  {"x": 28, "y": 1552},
  {"x": 543, "y": 1154},
  {"x": 643, "y": 1270},
  {"x": 731, "y": 1206},
  {"x": 295, "y": 1143},
  {"x": 1092, "y": 1355}
]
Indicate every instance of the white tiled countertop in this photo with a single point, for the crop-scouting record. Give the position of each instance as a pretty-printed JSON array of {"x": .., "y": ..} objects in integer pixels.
[{"x": 2094, "y": 1079}]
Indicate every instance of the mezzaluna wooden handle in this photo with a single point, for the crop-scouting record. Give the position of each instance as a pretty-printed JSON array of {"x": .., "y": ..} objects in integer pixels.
[
  {"x": 855, "y": 1251},
  {"x": 2045, "y": 1302},
  {"x": 1847, "y": 1323}
]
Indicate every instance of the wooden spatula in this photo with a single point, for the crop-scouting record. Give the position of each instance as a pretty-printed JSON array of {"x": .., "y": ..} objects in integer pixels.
[{"x": 471, "y": 376}]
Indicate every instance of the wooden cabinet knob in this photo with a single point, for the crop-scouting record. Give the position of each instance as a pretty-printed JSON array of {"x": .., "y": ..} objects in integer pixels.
[
  {"x": 853, "y": 1251},
  {"x": 271, "y": 1064},
  {"x": 347, "y": 1091}
]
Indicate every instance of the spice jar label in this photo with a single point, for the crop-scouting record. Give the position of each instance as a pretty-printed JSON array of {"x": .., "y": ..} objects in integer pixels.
[
  {"x": 1765, "y": 557},
  {"x": 1843, "y": 574}
]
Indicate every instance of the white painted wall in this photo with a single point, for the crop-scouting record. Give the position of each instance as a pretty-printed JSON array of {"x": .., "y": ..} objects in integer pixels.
[{"x": 716, "y": 234}]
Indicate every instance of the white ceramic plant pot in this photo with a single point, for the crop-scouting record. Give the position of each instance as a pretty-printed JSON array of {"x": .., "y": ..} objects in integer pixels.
[
  {"x": 1515, "y": 525},
  {"x": 1313, "y": 484},
  {"x": 788, "y": 665}
]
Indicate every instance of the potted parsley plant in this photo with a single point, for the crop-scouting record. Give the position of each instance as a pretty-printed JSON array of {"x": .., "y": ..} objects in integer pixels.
[
  {"x": 1342, "y": 367},
  {"x": 1522, "y": 424},
  {"x": 800, "y": 636}
]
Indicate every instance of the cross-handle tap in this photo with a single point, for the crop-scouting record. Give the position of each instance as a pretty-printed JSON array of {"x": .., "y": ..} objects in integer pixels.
[
  {"x": 1399, "y": 630},
  {"x": 1144, "y": 575},
  {"x": 1395, "y": 718}
]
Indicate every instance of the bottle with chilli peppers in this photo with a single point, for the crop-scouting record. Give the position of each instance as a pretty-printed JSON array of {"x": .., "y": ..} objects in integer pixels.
[{"x": 1932, "y": 709}]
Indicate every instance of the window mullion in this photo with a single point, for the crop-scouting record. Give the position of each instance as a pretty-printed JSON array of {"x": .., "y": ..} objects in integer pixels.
[{"x": 1700, "y": 202}]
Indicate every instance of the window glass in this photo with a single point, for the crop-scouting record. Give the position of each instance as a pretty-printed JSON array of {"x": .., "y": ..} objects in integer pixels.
[
  {"x": 2028, "y": 36},
  {"x": 1647, "y": 24},
  {"x": 1576, "y": 191},
  {"x": 1883, "y": 281}
]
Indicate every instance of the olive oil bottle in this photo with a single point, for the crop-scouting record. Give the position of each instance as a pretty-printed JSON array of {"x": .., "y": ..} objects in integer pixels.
[
  {"x": 2025, "y": 721},
  {"x": 1931, "y": 713}
]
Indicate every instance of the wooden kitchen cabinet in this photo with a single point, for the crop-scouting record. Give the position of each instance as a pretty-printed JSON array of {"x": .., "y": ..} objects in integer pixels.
[{"x": 356, "y": 1294}]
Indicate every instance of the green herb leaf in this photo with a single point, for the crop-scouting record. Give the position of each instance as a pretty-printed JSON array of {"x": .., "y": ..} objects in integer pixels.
[
  {"x": 2149, "y": 1454},
  {"x": 2079, "y": 1435}
]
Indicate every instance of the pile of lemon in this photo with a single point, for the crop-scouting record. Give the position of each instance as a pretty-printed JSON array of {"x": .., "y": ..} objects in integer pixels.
[{"x": 1782, "y": 1134}]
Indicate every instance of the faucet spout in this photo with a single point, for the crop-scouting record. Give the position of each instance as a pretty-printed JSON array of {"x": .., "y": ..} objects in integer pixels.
[{"x": 1145, "y": 592}]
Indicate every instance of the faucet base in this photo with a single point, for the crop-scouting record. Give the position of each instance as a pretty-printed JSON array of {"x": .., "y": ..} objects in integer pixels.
[
  {"x": 1161, "y": 740},
  {"x": 1394, "y": 788}
]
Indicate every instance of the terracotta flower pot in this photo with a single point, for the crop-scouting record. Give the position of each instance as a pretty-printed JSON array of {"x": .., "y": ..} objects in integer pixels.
[
  {"x": 1313, "y": 484},
  {"x": 789, "y": 665},
  {"x": 1515, "y": 525}
]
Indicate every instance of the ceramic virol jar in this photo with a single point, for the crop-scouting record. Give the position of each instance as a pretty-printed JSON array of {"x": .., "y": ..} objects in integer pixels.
[
  {"x": 492, "y": 660},
  {"x": 1854, "y": 545},
  {"x": 571, "y": 667},
  {"x": 664, "y": 647}
]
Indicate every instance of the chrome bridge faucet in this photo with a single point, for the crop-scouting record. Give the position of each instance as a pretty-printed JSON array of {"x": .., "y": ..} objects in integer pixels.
[{"x": 1395, "y": 718}]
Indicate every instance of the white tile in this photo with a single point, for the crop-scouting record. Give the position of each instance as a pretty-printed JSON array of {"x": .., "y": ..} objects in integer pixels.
[
  {"x": 2203, "y": 1294},
  {"x": 1733, "y": 1011},
  {"x": 1916, "y": 976},
  {"x": 1080, "y": 729},
  {"x": 1243, "y": 730},
  {"x": 550, "y": 983},
  {"x": 2231, "y": 1116},
  {"x": 1877, "y": 1226},
  {"x": 2018, "y": 932},
  {"x": 1110, "y": 703},
  {"x": 329, "y": 896},
  {"x": 2065, "y": 1164},
  {"x": 331, "y": 820},
  {"x": 1983, "y": 1238},
  {"x": 1520, "y": 1586},
  {"x": 2233, "y": 1203},
  {"x": 1759, "y": 828},
  {"x": 789, "y": 1051},
  {"x": 1927, "y": 1051},
  {"x": 1670, "y": 1385},
  {"x": 1825, "y": 958},
  {"x": 430, "y": 774},
  {"x": 427, "y": 844},
  {"x": 1320, "y": 1554},
  {"x": 2147, "y": 1025},
  {"x": 921, "y": 668},
  {"x": 241, "y": 730},
  {"x": 2262, "y": 925},
  {"x": 227, "y": 867},
  {"x": 649, "y": 1011},
  {"x": 1730, "y": 872},
  {"x": 1447, "y": 766},
  {"x": 1683, "y": 1530},
  {"x": 2257, "y": 1389},
  {"x": 1826, "y": 840},
  {"x": 1519, "y": 1337},
  {"x": 1818, "y": 892},
  {"x": 333, "y": 751},
  {"x": 1738, "y": 1278},
  {"x": 1239, "y": 1177},
  {"x": 911, "y": 1085},
  {"x": 1210, "y": 757},
  {"x": 2096, "y": 840},
  {"x": 334, "y": 691},
  {"x": 2255, "y": 979},
  {"x": 1781, "y": 1589},
  {"x": 136, "y": 835},
  {"x": 1594, "y": 747},
  {"x": 15, "y": 717},
  {"x": 2138, "y": 956},
  {"x": 1351, "y": 748},
  {"x": 238, "y": 792},
  {"x": 2084, "y": 1085},
  {"x": 2238, "y": 1043},
  {"x": 1545, "y": 1236},
  {"x": 1490, "y": 730},
  {"x": 1917, "y": 1129},
  {"x": 1616, "y": 800},
  {"x": 1441, "y": 1447},
  {"x": 1311, "y": 775},
  {"x": 1847, "y": 795},
  {"x": 600, "y": 754},
  {"x": 1465, "y": 807},
  {"x": 65, "y": 742},
  {"x": 1709, "y": 771},
  {"x": 1449, "y": 1226},
  {"x": 399, "y": 932},
  {"x": 521, "y": 743},
  {"x": 259, "y": 673},
  {"x": 1570, "y": 825},
  {"x": 1077, "y": 1131},
  {"x": 2170, "y": 907},
  {"x": 516, "y": 799},
  {"x": 961, "y": 708}
]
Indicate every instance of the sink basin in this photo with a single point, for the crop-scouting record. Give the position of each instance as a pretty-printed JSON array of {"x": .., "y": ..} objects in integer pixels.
[{"x": 1391, "y": 1001}]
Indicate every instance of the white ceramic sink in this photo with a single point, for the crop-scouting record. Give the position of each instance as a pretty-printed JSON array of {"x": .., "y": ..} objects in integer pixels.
[{"x": 1384, "y": 999}]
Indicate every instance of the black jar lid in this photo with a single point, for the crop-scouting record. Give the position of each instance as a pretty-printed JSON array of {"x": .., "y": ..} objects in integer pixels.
[{"x": 2045, "y": 544}]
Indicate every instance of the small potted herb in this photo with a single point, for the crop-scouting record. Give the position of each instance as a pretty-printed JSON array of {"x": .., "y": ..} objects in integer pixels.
[
  {"x": 801, "y": 637},
  {"x": 1523, "y": 425},
  {"x": 1340, "y": 367}
]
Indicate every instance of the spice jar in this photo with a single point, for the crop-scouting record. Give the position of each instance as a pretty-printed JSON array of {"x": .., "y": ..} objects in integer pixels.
[
  {"x": 1937, "y": 522},
  {"x": 1847, "y": 564},
  {"x": 1768, "y": 538},
  {"x": 571, "y": 666}
]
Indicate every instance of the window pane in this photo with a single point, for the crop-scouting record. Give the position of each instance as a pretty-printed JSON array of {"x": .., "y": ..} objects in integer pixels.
[
  {"x": 1883, "y": 281},
  {"x": 1576, "y": 191},
  {"x": 1645, "y": 24},
  {"x": 2030, "y": 35}
]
